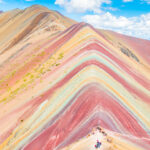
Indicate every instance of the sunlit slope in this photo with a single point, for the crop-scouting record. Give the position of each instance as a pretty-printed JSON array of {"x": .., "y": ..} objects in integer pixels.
[
  {"x": 140, "y": 46},
  {"x": 54, "y": 92}
]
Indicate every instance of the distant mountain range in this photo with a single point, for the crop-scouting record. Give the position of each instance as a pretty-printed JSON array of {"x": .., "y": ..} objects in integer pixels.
[{"x": 65, "y": 85}]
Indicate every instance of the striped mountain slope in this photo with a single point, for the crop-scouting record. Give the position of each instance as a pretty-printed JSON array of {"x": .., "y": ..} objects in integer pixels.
[{"x": 56, "y": 91}]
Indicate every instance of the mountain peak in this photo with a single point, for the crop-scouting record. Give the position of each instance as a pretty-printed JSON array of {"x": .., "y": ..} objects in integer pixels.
[{"x": 38, "y": 7}]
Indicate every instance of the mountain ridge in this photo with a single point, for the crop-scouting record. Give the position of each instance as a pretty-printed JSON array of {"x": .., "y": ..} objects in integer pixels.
[{"x": 65, "y": 86}]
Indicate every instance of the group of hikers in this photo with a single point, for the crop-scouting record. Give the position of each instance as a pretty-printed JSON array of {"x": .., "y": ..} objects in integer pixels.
[{"x": 98, "y": 144}]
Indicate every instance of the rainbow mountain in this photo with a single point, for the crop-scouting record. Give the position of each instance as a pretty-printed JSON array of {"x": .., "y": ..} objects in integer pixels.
[{"x": 64, "y": 85}]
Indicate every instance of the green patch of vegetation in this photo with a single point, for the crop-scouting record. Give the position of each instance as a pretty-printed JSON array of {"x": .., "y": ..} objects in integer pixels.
[
  {"x": 61, "y": 55},
  {"x": 58, "y": 64}
]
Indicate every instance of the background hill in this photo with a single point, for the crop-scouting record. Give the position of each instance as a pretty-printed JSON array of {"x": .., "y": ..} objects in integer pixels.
[{"x": 17, "y": 25}]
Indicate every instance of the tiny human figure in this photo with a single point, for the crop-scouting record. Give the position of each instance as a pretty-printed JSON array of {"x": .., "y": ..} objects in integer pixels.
[
  {"x": 99, "y": 129},
  {"x": 109, "y": 140},
  {"x": 98, "y": 144},
  {"x": 104, "y": 133}
]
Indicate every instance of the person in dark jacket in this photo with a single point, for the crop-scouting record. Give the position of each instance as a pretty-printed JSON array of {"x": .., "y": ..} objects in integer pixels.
[{"x": 98, "y": 145}]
